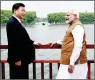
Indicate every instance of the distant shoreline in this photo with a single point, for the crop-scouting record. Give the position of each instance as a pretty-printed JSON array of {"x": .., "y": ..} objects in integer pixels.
[{"x": 50, "y": 24}]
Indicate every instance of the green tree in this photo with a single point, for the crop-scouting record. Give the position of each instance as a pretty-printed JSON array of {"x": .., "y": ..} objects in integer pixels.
[
  {"x": 60, "y": 17},
  {"x": 28, "y": 19}
]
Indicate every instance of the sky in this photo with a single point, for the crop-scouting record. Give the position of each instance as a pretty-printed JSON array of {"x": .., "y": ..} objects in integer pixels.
[{"x": 43, "y": 8}]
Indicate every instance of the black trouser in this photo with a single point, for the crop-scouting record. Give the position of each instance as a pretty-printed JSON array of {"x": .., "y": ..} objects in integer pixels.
[{"x": 19, "y": 72}]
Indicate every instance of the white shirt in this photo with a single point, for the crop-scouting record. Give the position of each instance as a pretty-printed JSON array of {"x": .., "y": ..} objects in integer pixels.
[
  {"x": 77, "y": 33},
  {"x": 17, "y": 19}
]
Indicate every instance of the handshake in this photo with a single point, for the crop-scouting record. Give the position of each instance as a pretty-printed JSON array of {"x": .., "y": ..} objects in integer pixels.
[{"x": 51, "y": 44}]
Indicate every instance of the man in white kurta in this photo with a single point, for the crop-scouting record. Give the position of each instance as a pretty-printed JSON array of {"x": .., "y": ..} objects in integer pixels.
[{"x": 79, "y": 71}]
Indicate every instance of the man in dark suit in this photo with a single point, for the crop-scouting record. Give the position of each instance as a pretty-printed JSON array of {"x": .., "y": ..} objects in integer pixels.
[{"x": 21, "y": 51}]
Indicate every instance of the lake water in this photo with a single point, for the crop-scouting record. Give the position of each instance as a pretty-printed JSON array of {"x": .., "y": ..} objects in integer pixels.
[{"x": 45, "y": 34}]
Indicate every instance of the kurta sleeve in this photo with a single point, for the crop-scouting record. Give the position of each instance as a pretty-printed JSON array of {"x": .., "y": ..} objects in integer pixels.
[{"x": 77, "y": 33}]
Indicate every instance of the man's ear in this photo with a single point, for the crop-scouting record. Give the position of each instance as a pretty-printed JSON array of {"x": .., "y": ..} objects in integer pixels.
[
  {"x": 75, "y": 16},
  {"x": 14, "y": 10}
]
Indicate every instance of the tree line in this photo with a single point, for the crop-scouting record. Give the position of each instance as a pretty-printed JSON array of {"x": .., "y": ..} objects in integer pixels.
[
  {"x": 31, "y": 18},
  {"x": 86, "y": 17}
]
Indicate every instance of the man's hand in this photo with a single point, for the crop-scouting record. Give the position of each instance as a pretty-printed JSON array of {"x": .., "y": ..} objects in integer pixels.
[
  {"x": 35, "y": 43},
  {"x": 57, "y": 42},
  {"x": 18, "y": 63},
  {"x": 53, "y": 44},
  {"x": 70, "y": 68}
]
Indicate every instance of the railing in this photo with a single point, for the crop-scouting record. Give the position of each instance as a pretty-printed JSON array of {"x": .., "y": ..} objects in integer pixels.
[{"x": 47, "y": 46}]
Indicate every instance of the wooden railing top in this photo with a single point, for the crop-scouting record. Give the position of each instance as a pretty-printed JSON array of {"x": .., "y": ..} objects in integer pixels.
[
  {"x": 45, "y": 61},
  {"x": 48, "y": 46}
]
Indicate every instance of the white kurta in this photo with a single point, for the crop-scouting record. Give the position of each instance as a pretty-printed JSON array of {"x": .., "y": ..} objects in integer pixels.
[{"x": 80, "y": 70}]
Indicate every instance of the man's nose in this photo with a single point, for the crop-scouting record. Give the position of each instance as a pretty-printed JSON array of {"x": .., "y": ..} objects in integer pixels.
[{"x": 24, "y": 12}]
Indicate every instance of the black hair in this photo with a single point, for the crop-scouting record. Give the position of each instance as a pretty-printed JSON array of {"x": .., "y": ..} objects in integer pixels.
[{"x": 16, "y": 6}]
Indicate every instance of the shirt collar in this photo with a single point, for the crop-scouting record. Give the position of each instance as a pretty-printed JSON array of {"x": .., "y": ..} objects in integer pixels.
[{"x": 17, "y": 18}]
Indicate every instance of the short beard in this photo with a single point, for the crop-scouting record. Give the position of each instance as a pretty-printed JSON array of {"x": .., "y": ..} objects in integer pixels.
[{"x": 67, "y": 22}]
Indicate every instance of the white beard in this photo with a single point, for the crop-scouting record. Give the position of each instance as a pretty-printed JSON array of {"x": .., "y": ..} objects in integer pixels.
[{"x": 67, "y": 21}]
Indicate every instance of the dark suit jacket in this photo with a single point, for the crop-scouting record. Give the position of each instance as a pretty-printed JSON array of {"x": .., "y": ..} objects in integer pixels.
[{"x": 20, "y": 46}]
